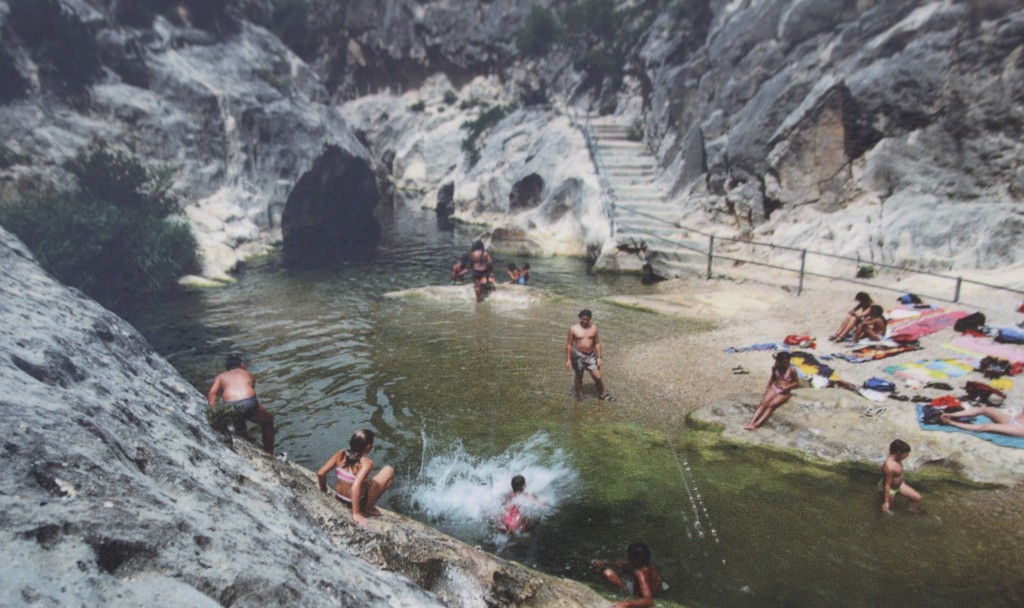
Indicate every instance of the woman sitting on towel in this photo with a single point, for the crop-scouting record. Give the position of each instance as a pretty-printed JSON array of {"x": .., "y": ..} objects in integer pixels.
[
  {"x": 872, "y": 326},
  {"x": 1008, "y": 421},
  {"x": 853, "y": 318}
]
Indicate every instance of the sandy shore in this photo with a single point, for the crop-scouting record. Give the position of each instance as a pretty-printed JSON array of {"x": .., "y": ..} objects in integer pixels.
[{"x": 694, "y": 373}]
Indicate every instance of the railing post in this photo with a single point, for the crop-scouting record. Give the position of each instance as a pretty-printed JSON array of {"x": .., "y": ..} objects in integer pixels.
[
  {"x": 803, "y": 264},
  {"x": 711, "y": 254},
  {"x": 956, "y": 296}
]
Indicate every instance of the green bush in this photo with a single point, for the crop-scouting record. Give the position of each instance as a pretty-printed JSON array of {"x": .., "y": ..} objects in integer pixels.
[
  {"x": 58, "y": 39},
  {"x": 539, "y": 33},
  {"x": 476, "y": 128},
  {"x": 119, "y": 235},
  {"x": 450, "y": 97},
  {"x": 419, "y": 106}
]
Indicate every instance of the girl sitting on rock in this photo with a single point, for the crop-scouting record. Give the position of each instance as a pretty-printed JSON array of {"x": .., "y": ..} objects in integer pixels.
[
  {"x": 352, "y": 469},
  {"x": 783, "y": 380},
  {"x": 854, "y": 317}
]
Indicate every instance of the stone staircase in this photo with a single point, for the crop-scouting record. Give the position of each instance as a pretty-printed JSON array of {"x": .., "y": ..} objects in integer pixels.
[{"x": 644, "y": 220}]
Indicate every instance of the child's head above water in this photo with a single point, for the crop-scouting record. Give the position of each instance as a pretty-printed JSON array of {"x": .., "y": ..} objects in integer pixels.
[
  {"x": 518, "y": 484},
  {"x": 638, "y": 554}
]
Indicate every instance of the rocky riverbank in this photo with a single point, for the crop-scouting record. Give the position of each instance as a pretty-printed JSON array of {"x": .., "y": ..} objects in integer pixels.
[
  {"x": 696, "y": 374},
  {"x": 115, "y": 490}
]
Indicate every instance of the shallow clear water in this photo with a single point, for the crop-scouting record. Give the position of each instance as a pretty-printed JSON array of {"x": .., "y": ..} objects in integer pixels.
[{"x": 463, "y": 396}]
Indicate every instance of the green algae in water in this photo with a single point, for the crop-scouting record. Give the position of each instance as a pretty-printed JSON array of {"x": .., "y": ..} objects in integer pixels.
[{"x": 332, "y": 355}]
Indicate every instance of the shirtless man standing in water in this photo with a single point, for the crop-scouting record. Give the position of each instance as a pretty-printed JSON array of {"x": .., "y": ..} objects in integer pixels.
[
  {"x": 237, "y": 390},
  {"x": 480, "y": 265},
  {"x": 583, "y": 353}
]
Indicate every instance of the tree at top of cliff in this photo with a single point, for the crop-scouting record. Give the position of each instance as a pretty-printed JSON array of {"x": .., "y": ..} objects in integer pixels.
[{"x": 118, "y": 235}]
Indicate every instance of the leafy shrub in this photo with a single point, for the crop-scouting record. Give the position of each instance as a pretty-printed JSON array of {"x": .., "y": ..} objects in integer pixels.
[
  {"x": 539, "y": 33},
  {"x": 607, "y": 106},
  {"x": 477, "y": 127},
  {"x": 58, "y": 40},
  {"x": 419, "y": 106},
  {"x": 120, "y": 234},
  {"x": 450, "y": 97},
  {"x": 866, "y": 272}
]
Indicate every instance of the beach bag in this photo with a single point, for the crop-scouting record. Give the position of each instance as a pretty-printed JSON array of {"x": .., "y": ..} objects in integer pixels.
[
  {"x": 801, "y": 341},
  {"x": 878, "y": 384},
  {"x": 1010, "y": 335},
  {"x": 909, "y": 298},
  {"x": 972, "y": 321}
]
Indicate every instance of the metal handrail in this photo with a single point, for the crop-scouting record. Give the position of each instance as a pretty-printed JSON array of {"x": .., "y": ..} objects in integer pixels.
[
  {"x": 803, "y": 272},
  {"x": 610, "y": 208}
]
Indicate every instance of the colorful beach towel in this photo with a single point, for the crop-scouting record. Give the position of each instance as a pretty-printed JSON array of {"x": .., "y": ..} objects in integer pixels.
[
  {"x": 985, "y": 347},
  {"x": 926, "y": 370},
  {"x": 874, "y": 352},
  {"x": 760, "y": 346},
  {"x": 808, "y": 366},
  {"x": 901, "y": 315},
  {"x": 1003, "y": 440},
  {"x": 929, "y": 324}
]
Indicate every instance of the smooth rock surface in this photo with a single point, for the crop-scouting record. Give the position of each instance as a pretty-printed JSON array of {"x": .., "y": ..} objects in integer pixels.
[{"x": 116, "y": 492}]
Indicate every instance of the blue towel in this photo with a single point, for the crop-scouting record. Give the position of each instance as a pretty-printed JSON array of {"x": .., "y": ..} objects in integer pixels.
[{"x": 1003, "y": 440}]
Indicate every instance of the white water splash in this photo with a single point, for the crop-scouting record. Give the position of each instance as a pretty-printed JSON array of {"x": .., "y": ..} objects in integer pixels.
[{"x": 465, "y": 492}]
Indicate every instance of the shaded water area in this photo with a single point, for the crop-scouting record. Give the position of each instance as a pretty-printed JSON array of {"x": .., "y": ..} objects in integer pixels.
[{"x": 463, "y": 396}]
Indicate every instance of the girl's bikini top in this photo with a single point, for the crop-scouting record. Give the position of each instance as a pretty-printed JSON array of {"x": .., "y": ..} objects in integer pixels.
[{"x": 344, "y": 474}]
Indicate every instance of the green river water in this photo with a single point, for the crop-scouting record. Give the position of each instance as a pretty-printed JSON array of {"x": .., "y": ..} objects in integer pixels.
[{"x": 463, "y": 396}]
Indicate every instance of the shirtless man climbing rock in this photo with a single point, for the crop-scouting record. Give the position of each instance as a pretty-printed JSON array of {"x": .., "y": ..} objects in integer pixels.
[
  {"x": 583, "y": 353},
  {"x": 237, "y": 390}
]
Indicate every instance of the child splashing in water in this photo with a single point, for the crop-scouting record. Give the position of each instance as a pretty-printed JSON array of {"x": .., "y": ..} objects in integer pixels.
[
  {"x": 514, "y": 506},
  {"x": 352, "y": 468},
  {"x": 783, "y": 380}
]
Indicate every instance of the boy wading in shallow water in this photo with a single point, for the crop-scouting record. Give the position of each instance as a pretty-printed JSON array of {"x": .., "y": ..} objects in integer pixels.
[
  {"x": 892, "y": 477},
  {"x": 583, "y": 353}
]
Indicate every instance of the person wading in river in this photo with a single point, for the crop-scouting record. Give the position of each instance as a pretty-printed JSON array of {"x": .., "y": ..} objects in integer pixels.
[
  {"x": 480, "y": 265},
  {"x": 237, "y": 390},
  {"x": 583, "y": 353}
]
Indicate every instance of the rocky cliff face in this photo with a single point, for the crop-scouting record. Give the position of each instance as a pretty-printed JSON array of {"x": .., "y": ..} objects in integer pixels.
[
  {"x": 885, "y": 130},
  {"x": 115, "y": 490},
  {"x": 238, "y": 114}
]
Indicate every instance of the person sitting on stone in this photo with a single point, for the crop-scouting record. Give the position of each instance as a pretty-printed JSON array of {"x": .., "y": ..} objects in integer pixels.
[
  {"x": 872, "y": 326},
  {"x": 355, "y": 487},
  {"x": 854, "y": 317}
]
